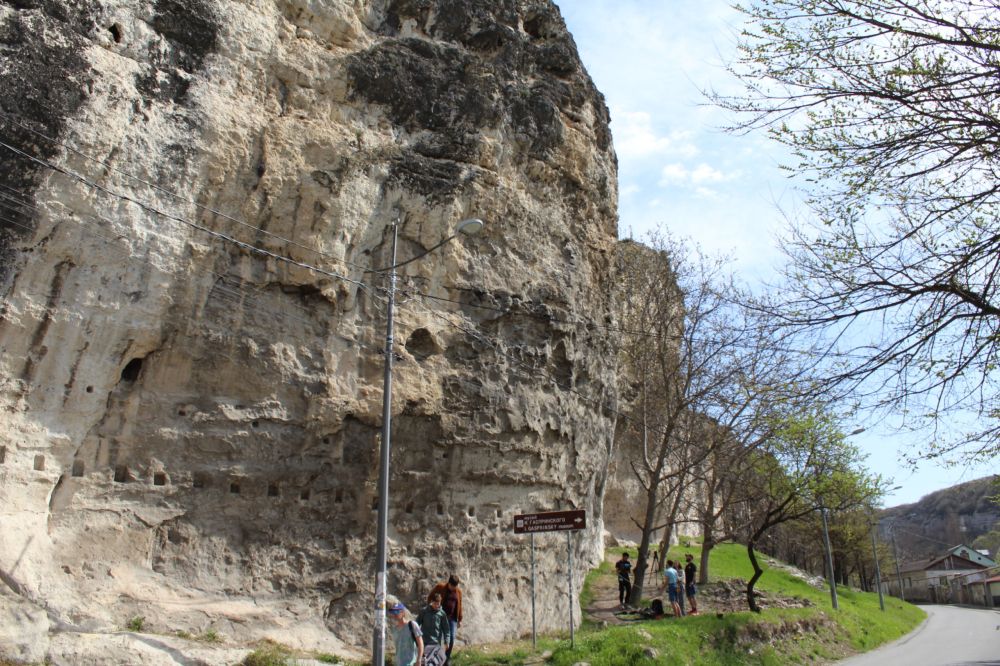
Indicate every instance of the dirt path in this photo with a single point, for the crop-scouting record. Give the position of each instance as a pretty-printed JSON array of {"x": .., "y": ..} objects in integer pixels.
[{"x": 605, "y": 603}]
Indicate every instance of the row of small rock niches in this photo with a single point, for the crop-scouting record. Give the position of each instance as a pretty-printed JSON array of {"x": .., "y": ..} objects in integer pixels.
[{"x": 199, "y": 480}]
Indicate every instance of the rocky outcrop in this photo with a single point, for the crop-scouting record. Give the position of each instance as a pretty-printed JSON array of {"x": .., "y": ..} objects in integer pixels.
[{"x": 191, "y": 195}]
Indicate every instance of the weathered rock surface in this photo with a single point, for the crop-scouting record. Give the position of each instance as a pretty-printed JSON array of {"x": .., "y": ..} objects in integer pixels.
[{"x": 189, "y": 426}]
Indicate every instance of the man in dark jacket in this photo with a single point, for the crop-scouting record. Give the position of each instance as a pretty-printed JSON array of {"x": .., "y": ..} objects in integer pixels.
[
  {"x": 624, "y": 569},
  {"x": 451, "y": 600}
]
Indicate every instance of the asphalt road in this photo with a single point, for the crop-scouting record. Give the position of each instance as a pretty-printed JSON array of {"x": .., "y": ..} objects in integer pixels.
[{"x": 950, "y": 636}]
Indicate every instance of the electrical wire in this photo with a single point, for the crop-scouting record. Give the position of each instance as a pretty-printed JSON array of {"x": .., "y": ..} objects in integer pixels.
[
  {"x": 148, "y": 207},
  {"x": 216, "y": 290},
  {"x": 503, "y": 311},
  {"x": 191, "y": 201}
]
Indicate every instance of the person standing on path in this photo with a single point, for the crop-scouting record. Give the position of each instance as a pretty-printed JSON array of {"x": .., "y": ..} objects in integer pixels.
[
  {"x": 624, "y": 569},
  {"x": 690, "y": 571},
  {"x": 435, "y": 628},
  {"x": 671, "y": 576},
  {"x": 680, "y": 587},
  {"x": 406, "y": 636},
  {"x": 451, "y": 602}
]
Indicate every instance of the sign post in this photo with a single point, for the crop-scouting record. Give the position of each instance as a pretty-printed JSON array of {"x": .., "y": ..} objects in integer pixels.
[
  {"x": 534, "y": 639},
  {"x": 552, "y": 521}
]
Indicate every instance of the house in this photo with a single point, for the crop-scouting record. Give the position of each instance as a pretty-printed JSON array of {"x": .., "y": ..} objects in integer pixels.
[
  {"x": 931, "y": 579},
  {"x": 994, "y": 590},
  {"x": 973, "y": 555}
]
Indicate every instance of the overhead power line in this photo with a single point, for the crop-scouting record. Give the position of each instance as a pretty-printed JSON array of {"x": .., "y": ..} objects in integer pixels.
[
  {"x": 150, "y": 208},
  {"x": 178, "y": 197}
]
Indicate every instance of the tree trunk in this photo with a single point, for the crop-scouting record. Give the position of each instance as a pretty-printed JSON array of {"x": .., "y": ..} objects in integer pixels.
[
  {"x": 707, "y": 544},
  {"x": 649, "y": 520},
  {"x": 757, "y": 573}
]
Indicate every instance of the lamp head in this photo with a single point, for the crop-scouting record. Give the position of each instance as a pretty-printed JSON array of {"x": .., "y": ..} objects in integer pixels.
[{"x": 470, "y": 227}]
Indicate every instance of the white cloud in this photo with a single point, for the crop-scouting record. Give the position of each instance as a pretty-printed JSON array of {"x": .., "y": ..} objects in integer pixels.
[
  {"x": 636, "y": 138},
  {"x": 698, "y": 178}
]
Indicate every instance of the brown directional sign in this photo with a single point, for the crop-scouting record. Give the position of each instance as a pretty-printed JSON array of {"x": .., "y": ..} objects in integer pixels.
[{"x": 553, "y": 521}]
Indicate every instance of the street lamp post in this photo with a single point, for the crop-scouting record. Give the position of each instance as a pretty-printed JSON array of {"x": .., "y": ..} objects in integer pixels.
[{"x": 467, "y": 227}]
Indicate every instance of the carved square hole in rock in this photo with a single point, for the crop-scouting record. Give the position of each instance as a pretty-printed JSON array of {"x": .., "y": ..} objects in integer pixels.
[
  {"x": 234, "y": 488},
  {"x": 374, "y": 503},
  {"x": 499, "y": 513},
  {"x": 39, "y": 463},
  {"x": 200, "y": 480},
  {"x": 272, "y": 490},
  {"x": 472, "y": 512},
  {"x": 121, "y": 474},
  {"x": 3, "y": 454},
  {"x": 77, "y": 468},
  {"x": 159, "y": 479},
  {"x": 90, "y": 389},
  {"x": 304, "y": 495},
  {"x": 440, "y": 509},
  {"x": 409, "y": 508},
  {"x": 338, "y": 496},
  {"x": 255, "y": 424}
]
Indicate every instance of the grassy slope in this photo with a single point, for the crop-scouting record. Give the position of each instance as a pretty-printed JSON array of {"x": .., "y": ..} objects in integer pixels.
[{"x": 776, "y": 636}]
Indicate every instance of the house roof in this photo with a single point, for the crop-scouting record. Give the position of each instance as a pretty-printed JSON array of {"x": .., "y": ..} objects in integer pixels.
[
  {"x": 956, "y": 562},
  {"x": 970, "y": 553}
]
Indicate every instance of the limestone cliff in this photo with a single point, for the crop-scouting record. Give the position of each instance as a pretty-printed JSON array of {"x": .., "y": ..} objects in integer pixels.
[{"x": 191, "y": 193}]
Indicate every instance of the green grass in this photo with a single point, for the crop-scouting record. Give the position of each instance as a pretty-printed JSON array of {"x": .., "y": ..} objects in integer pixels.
[
  {"x": 268, "y": 654},
  {"x": 777, "y": 636}
]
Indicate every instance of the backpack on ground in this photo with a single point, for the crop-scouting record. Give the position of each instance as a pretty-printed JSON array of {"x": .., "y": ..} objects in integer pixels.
[{"x": 656, "y": 606}]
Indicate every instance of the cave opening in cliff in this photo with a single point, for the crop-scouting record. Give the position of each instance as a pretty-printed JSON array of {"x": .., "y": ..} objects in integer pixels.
[
  {"x": 131, "y": 371},
  {"x": 159, "y": 479},
  {"x": 234, "y": 488},
  {"x": 305, "y": 495},
  {"x": 78, "y": 468},
  {"x": 272, "y": 490},
  {"x": 3, "y": 454},
  {"x": 200, "y": 480},
  {"x": 121, "y": 474},
  {"x": 421, "y": 344},
  {"x": 39, "y": 463}
]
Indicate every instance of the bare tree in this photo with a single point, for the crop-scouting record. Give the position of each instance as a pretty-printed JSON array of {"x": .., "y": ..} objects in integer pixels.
[
  {"x": 681, "y": 352},
  {"x": 739, "y": 420},
  {"x": 893, "y": 112}
]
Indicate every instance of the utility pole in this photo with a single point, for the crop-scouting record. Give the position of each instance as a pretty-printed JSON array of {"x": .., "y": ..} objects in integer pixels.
[
  {"x": 878, "y": 573},
  {"x": 829, "y": 560},
  {"x": 895, "y": 555}
]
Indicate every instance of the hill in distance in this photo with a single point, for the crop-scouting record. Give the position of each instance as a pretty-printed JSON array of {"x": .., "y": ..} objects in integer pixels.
[{"x": 960, "y": 514}]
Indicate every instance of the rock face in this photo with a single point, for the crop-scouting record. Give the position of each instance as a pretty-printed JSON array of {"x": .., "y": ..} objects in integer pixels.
[{"x": 191, "y": 193}]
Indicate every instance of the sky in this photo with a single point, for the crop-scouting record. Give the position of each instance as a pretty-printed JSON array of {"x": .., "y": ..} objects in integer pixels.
[{"x": 677, "y": 169}]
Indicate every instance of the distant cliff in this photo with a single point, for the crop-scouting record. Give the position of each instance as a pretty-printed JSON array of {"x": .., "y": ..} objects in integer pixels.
[
  {"x": 191, "y": 358},
  {"x": 949, "y": 517}
]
